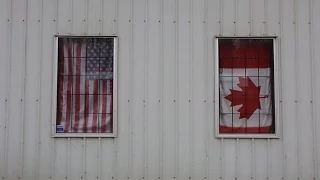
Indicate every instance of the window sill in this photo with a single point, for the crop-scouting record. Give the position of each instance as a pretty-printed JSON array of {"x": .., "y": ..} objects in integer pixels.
[
  {"x": 248, "y": 136},
  {"x": 82, "y": 135}
]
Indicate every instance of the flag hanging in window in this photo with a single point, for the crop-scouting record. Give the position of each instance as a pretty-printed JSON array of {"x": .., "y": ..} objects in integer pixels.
[
  {"x": 85, "y": 85},
  {"x": 246, "y": 86}
]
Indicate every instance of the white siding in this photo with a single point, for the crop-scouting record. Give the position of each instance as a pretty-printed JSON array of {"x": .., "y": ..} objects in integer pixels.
[{"x": 165, "y": 90}]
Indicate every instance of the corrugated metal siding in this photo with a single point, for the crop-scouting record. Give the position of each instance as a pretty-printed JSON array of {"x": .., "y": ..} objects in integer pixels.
[{"x": 166, "y": 102}]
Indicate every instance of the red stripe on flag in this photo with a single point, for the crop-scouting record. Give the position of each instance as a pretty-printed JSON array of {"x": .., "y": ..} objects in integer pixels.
[
  {"x": 251, "y": 49},
  {"x": 244, "y": 63},
  {"x": 104, "y": 106},
  {"x": 69, "y": 89},
  {"x": 111, "y": 105},
  {"x": 245, "y": 130},
  {"x": 86, "y": 107},
  {"x": 78, "y": 82},
  {"x": 95, "y": 106}
]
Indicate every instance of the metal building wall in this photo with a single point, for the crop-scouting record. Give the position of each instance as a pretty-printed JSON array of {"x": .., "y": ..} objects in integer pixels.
[{"x": 166, "y": 63}]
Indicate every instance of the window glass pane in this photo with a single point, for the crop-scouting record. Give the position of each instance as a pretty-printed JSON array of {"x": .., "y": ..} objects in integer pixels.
[
  {"x": 246, "y": 83},
  {"x": 85, "y": 85}
]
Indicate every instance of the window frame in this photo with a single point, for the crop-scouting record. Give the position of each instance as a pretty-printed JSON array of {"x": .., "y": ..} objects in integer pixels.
[
  {"x": 55, "y": 90},
  {"x": 276, "y": 89}
]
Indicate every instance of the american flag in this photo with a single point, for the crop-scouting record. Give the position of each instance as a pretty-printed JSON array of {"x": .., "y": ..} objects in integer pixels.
[{"x": 85, "y": 93}]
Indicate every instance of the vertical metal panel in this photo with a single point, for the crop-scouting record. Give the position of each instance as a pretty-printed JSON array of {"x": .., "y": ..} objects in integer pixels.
[
  {"x": 161, "y": 99},
  {"x": 183, "y": 109},
  {"x": 214, "y": 148},
  {"x": 4, "y": 76},
  {"x": 258, "y": 17},
  {"x": 16, "y": 97},
  {"x": 316, "y": 55},
  {"x": 33, "y": 64},
  {"x": 108, "y": 16},
  {"x": 38, "y": 123},
  {"x": 166, "y": 80},
  {"x": 176, "y": 89},
  {"x": 305, "y": 105},
  {"x": 92, "y": 152},
  {"x": 297, "y": 82},
  {"x": 206, "y": 100},
  {"x": 154, "y": 89},
  {"x": 79, "y": 17},
  {"x": 60, "y": 158},
  {"x": 45, "y": 146},
  {"x": 289, "y": 92},
  {"x": 131, "y": 83},
  {"x": 198, "y": 94},
  {"x": 273, "y": 15},
  {"x": 122, "y": 170},
  {"x": 191, "y": 90},
  {"x": 229, "y": 159},
  {"x": 243, "y": 18},
  {"x": 261, "y": 159},
  {"x": 75, "y": 157},
  {"x": 145, "y": 91},
  {"x": 137, "y": 98},
  {"x": 169, "y": 23},
  {"x": 228, "y": 17},
  {"x": 94, "y": 17},
  {"x": 64, "y": 16},
  {"x": 245, "y": 151},
  {"x": 107, "y": 159},
  {"x": 313, "y": 39}
]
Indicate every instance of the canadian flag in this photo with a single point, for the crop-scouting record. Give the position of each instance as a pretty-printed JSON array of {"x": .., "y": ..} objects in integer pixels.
[{"x": 245, "y": 86}]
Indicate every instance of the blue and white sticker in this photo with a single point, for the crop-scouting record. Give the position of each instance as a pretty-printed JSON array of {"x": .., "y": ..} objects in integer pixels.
[{"x": 60, "y": 128}]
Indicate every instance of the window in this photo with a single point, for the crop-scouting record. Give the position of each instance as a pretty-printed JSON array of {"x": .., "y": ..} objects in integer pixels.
[
  {"x": 85, "y": 93},
  {"x": 246, "y": 93}
]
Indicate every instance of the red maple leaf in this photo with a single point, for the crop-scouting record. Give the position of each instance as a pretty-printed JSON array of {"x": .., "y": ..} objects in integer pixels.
[{"x": 248, "y": 97}]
